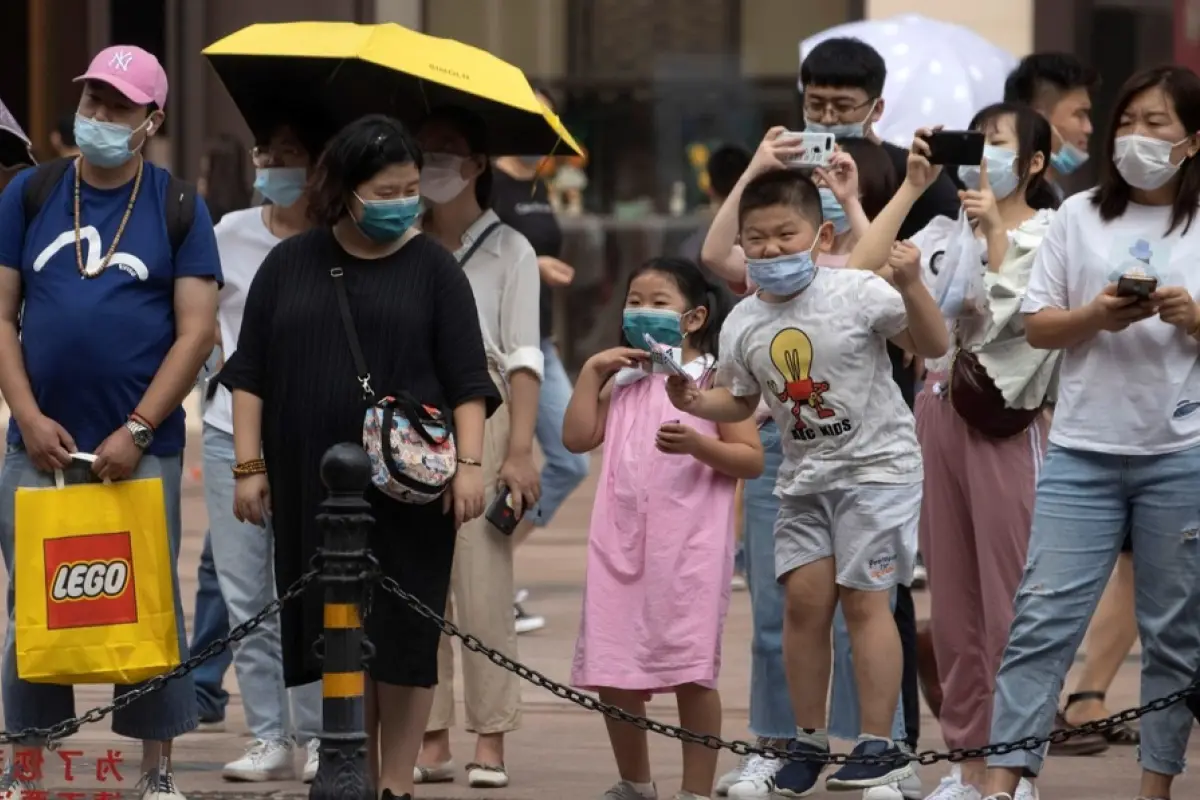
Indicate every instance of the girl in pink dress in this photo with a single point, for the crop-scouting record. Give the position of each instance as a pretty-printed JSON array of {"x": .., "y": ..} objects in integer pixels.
[{"x": 661, "y": 542}]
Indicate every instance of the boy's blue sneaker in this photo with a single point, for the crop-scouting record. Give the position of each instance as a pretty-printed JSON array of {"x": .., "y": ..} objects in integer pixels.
[
  {"x": 864, "y": 776},
  {"x": 799, "y": 778}
]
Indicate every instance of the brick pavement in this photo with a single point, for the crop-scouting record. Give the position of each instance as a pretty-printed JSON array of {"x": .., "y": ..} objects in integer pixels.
[{"x": 561, "y": 752}]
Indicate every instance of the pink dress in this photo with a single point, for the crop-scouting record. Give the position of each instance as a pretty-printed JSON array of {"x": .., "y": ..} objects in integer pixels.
[{"x": 660, "y": 555}]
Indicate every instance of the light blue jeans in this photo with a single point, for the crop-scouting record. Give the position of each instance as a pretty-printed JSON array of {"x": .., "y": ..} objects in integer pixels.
[
  {"x": 161, "y": 716},
  {"x": 1085, "y": 502},
  {"x": 244, "y": 557},
  {"x": 210, "y": 622},
  {"x": 563, "y": 470},
  {"x": 770, "y": 705}
]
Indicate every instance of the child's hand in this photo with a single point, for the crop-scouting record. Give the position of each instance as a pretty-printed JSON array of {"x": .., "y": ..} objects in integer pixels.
[
  {"x": 677, "y": 439},
  {"x": 841, "y": 177},
  {"x": 607, "y": 362},
  {"x": 774, "y": 153},
  {"x": 905, "y": 261},
  {"x": 683, "y": 392}
]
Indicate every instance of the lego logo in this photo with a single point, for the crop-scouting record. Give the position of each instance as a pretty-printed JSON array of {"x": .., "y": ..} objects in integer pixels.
[{"x": 90, "y": 581}]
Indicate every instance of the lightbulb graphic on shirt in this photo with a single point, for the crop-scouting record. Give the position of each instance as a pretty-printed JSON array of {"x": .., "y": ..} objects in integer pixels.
[{"x": 792, "y": 354}]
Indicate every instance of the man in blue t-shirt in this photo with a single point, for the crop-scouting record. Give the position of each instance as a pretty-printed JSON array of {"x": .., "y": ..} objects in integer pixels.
[{"x": 108, "y": 296}]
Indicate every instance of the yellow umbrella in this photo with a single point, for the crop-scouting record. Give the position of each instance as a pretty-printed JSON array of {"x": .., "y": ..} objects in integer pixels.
[{"x": 341, "y": 71}]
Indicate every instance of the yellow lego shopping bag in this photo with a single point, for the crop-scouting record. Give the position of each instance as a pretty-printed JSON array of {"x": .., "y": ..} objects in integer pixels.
[{"x": 92, "y": 573}]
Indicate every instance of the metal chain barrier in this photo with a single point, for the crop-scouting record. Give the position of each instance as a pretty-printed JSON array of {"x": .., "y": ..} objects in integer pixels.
[
  {"x": 50, "y": 736},
  {"x": 742, "y": 748}
]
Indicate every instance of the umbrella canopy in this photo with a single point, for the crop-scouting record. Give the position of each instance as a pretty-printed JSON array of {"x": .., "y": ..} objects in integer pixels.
[
  {"x": 15, "y": 148},
  {"x": 341, "y": 71},
  {"x": 938, "y": 73}
]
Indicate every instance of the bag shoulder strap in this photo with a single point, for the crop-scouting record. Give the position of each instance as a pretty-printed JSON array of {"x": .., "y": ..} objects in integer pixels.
[
  {"x": 462, "y": 262},
  {"x": 180, "y": 211},
  {"x": 360, "y": 361},
  {"x": 41, "y": 184}
]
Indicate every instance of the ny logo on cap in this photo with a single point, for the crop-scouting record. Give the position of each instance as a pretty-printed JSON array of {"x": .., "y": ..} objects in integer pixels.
[{"x": 121, "y": 60}]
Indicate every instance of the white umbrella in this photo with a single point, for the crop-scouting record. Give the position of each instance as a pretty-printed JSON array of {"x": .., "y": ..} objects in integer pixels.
[{"x": 938, "y": 73}]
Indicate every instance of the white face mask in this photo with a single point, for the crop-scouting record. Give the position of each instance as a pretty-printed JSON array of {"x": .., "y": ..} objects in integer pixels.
[
  {"x": 441, "y": 177},
  {"x": 1145, "y": 162}
]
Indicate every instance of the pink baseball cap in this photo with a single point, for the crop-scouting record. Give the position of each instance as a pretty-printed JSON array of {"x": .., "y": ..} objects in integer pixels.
[{"x": 131, "y": 71}]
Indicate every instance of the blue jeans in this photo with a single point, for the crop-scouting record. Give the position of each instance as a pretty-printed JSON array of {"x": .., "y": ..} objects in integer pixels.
[
  {"x": 244, "y": 560},
  {"x": 770, "y": 704},
  {"x": 161, "y": 716},
  {"x": 563, "y": 470},
  {"x": 210, "y": 622},
  {"x": 1085, "y": 503}
]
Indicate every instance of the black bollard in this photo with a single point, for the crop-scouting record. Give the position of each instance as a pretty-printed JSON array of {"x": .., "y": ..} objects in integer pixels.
[{"x": 345, "y": 518}]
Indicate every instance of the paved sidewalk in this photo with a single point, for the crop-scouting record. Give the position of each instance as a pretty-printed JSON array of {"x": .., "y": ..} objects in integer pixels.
[{"x": 561, "y": 753}]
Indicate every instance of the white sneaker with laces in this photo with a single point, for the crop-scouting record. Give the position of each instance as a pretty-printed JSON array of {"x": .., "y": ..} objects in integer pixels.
[
  {"x": 1026, "y": 791},
  {"x": 156, "y": 785},
  {"x": 758, "y": 779},
  {"x": 953, "y": 788},
  {"x": 908, "y": 788},
  {"x": 312, "y": 759},
  {"x": 730, "y": 778},
  {"x": 263, "y": 761}
]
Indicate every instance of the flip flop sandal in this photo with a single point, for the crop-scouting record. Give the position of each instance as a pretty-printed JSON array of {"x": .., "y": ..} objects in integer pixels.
[
  {"x": 1084, "y": 745},
  {"x": 1121, "y": 734}
]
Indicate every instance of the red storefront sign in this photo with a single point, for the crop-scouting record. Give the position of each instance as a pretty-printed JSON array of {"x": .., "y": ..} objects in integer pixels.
[{"x": 1187, "y": 33}]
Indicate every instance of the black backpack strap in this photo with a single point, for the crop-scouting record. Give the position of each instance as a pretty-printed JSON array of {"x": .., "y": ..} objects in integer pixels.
[
  {"x": 180, "y": 211},
  {"x": 41, "y": 184},
  {"x": 462, "y": 262}
]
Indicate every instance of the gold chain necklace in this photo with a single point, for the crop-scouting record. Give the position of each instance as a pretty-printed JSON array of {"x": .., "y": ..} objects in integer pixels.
[{"x": 84, "y": 271}]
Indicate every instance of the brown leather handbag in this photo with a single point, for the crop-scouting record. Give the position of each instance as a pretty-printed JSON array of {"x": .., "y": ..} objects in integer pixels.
[{"x": 975, "y": 398}]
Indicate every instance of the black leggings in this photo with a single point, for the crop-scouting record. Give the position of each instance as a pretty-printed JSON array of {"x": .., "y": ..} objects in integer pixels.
[{"x": 906, "y": 623}]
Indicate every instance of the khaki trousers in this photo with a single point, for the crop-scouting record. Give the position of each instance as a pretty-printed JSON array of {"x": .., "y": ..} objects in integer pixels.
[{"x": 481, "y": 603}]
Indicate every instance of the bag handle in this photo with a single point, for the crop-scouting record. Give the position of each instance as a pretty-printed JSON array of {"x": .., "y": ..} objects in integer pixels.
[
  {"x": 60, "y": 481},
  {"x": 356, "y": 353},
  {"x": 409, "y": 407},
  {"x": 462, "y": 262}
]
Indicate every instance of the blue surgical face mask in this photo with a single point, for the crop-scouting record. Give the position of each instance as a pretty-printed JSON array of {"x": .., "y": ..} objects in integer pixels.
[
  {"x": 843, "y": 130},
  {"x": 783, "y": 275},
  {"x": 387, "y": 220},
  {"x": 1002, "y": 177},
  {"x": 833, "y": 212},
  {"x": 1068, "y": 159},
  {"x": 663, "y": 325},
  {"x": 283, "y": 186},
  {"x": 103, "y": 144}
]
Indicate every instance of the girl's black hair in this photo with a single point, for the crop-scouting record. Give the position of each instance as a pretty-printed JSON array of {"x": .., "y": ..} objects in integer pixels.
[
  {"x": 1112, "y": 192},
  {"x": 228, "y": 184},
  {"x": 877, "y": 180},
  {"x": 359, "y": 152},
  {"x": 1033, "y": 136},
  {"x": 471, "y": 127},
  {"x": 698, "y": 291}
]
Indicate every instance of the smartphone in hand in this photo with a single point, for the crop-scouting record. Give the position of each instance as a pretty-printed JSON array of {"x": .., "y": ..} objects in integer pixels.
[
  {"x": 955, "y": 148},
  {"x": 1139, "y": 286},
  {"x": 501, "y": 513},
  {"x": 663, "y": 358}
]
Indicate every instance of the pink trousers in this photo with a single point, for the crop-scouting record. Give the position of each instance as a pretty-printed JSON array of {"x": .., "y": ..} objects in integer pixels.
[{"x": 974, "y": 534}]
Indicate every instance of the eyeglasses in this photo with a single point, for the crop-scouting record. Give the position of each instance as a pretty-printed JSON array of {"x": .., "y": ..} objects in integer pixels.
[
  {"x": 266, "y": 156},
  {"x": 814, "y": 107}
]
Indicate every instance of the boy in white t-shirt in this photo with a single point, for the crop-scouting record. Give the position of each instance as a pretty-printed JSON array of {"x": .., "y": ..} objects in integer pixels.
[{"x": 813, "y": 342}]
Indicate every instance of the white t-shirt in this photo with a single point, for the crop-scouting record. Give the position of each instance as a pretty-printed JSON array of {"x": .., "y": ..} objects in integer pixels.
[
  {"x": 822, "y": 364},
  {"x": 243, "y": 241},
  {"x": 1135, "y": 392}
]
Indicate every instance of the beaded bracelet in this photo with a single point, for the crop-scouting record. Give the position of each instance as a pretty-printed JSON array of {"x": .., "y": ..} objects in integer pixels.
[
  {"x": 470, "y": 462},
  {"x": 256, "y": 466}
]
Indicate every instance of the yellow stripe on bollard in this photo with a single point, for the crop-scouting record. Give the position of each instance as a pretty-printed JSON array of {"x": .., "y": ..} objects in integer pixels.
[
  {"x": 342, "y": 684},
  {"x": 342, "y": 615}
]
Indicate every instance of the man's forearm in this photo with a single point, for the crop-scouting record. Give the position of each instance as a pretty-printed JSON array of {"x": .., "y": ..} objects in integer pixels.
[
  {"x": 14, "y": 381},
  {"x": 523, "y": 390},
  {"x": 176, "y": 377}
]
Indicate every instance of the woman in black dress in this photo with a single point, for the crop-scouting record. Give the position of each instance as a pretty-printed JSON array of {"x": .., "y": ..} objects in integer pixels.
[{"x": 295, "y": 394}]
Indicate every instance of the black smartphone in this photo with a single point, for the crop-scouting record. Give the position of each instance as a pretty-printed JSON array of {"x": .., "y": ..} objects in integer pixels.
[
  {"x": 955, "y": 147},
  {"x": 1138, "y": 286},
  {"x": 501, "y": 513}
]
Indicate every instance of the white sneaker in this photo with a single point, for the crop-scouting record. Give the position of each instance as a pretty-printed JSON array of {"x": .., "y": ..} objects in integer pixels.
[
  {"x": 263, "y": 761},
  {"x": 155, "y": 785},
  {"x": 1026, "y": 791},
  {"x": 312, "y": 759},
  {"x": 738, "y": 583},
  {"x": 730, "y": 778},
  {"x": 758, "y": 779},
  {"x": 953, "y": 788},
  {"x": 524, "y": 622},
  {"x": 908, "y": 788}
]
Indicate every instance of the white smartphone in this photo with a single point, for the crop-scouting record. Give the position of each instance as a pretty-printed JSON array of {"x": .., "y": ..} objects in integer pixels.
[
  {"x": 818, "y": 148},
  {"x": 663, "y": 359}
]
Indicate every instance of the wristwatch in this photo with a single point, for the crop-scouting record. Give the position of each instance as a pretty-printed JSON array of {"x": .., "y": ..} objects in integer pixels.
[{"x": 143, "y": 435}]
